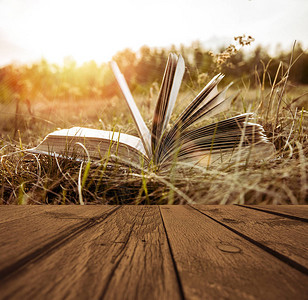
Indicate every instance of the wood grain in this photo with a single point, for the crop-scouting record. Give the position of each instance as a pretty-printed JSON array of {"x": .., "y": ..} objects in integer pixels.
[
  {"x": 20, "y": 235},
  {"x": 151, "y": 252},
  {"x": 300, "y": 211},
  {"x": 145, "y": 271},
  {"x": 124, "y": 257},
  {"x": 215, "y": 263},
  {"x": 286, "y": 236},
  {"x": 17, "y": 212}
]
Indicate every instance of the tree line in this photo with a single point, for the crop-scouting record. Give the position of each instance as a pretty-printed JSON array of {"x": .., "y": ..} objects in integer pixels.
[{"x": 144, "y": 69}]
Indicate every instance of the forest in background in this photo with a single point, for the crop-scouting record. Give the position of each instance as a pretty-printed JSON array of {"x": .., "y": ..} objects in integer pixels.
[{"x": 144, "y": 69}]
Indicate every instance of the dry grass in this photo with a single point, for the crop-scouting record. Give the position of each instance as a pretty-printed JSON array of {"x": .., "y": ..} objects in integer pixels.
[{"x": 29, "y": 179}]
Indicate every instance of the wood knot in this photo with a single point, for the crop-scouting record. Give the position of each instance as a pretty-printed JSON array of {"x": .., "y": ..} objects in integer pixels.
[{"x": 228, "y": 248}]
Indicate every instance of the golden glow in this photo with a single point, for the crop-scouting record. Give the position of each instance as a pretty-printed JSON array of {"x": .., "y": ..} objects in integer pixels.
[
  {"x": 97, "y": 29},
  {"x": 84, "y": 30}
]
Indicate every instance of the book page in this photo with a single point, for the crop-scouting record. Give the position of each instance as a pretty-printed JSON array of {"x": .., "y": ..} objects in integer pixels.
[
  {"x": 163, "y": 94},
  {"x": 221, "y": 137},
  {"x": 98, "y": 143},
  {"x": 143, "y": 130},
  {"x": 183, "y": 120},
  {"x": 176, "y": 84},
  {"x": 169, "y": 90}
]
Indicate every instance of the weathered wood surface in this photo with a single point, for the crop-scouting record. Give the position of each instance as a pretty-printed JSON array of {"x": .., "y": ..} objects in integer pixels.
[
  {"x": 153, "y": 252},
  {"x": 44, "y": 228},
  {"x": 285, "y": 236},
  {"x": 296, "y": 211}
]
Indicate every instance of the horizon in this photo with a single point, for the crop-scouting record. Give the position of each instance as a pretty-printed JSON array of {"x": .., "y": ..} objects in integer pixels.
[{"x": 97, "y": 30}]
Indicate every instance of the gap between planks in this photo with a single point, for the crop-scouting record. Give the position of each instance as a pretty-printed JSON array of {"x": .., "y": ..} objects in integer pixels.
[
  {"x": 277, "y": 254},
  {"x": 126, "y": 254},
  {"x": 283, "y": 211},
  {"x": 177, "y": 274},
  {"x": 197, "y": 233},
  {"x": 215, "y": 262},
  {"x": 48, "y": 248}
]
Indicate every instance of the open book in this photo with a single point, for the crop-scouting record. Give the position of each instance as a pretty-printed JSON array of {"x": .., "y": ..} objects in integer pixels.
[{"x": 161, "y": 145}]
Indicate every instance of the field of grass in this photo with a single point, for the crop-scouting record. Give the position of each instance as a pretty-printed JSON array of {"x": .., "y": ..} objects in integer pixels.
[{"x": 29, "y": 179}]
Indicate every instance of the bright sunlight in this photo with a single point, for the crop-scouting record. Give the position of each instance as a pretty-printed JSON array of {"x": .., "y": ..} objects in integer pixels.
[{"x": 96, "y": 30}]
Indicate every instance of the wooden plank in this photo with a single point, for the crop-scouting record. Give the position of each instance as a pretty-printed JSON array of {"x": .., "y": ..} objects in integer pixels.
[
  {"x": 16, "y": 212},
  {"x": 286, "y": 236},
  {"x": 20, "y": 236},
  {"x": 124, "y": 257},
  {"x": 13, "y": 212},
  {"x": 147, "y": 261},
  {"x": 299, "y": 211},
  {"x": 214, "y": 263}
]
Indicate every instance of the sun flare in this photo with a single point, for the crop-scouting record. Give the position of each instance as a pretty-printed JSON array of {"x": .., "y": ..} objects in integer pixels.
[
  {"x": 83, "y": 31},
  {"x": 97, "y": 29}
]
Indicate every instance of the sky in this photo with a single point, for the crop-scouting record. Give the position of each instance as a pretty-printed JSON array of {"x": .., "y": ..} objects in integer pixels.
[{"x": 96, "y": 29}]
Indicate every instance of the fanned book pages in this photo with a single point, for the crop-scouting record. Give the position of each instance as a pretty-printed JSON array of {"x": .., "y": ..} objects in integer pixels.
[{"x": 234, "y": 138}]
